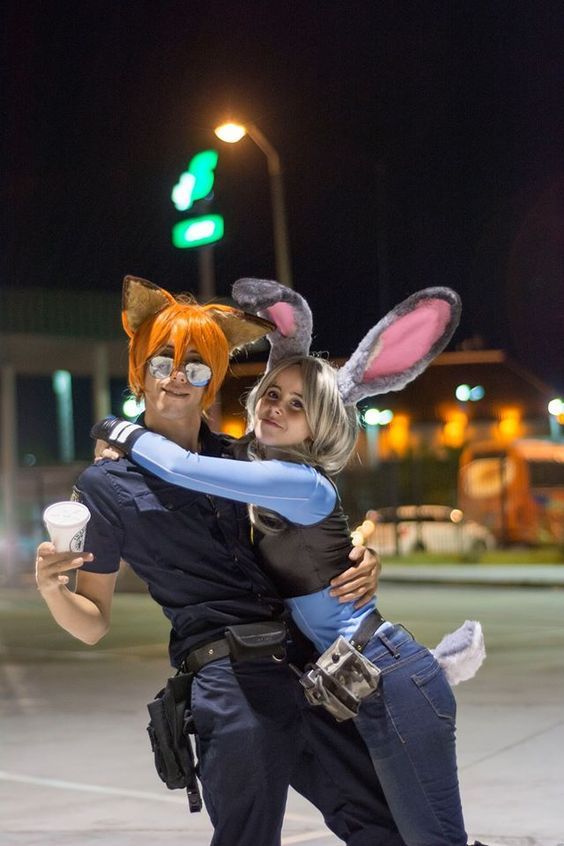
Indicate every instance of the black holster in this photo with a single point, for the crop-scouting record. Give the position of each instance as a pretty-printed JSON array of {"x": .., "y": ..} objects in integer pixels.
[{"x": 170, "y": 726}]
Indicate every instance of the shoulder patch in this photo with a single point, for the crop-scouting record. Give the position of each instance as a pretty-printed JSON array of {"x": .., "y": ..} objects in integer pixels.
[{"x": 76, "y": 495}]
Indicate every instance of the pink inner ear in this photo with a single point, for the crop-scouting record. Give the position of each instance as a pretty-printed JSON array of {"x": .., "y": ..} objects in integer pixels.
[
  {"x": 409, "y": 339},
  {"x": 283, "y": 315}
]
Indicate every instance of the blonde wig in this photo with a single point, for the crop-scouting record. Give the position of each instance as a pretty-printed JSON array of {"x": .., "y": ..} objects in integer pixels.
[{"x": 334, "y": 426}]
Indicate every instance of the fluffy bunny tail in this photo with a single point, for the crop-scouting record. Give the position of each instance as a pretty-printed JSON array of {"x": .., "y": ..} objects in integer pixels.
[{"x": 461, "y": 653}]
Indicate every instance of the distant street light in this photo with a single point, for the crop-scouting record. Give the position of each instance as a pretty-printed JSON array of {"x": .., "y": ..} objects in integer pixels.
[
  {"x": 556, "y": 407},
  {"x": 231, "y": 133},
  {"x": 556, "y": 418},
  {"x": 464, "y": 393},
  {"x": 132, "y": 407},
  {"x": 373, "y": 419}
]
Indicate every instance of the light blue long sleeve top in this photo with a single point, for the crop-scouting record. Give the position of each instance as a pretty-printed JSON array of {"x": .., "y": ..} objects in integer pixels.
[{"x": 296, "y": 491}]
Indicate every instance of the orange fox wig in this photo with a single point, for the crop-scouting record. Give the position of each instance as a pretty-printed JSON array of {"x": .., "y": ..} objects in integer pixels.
[{"x": 182, "y": 324}]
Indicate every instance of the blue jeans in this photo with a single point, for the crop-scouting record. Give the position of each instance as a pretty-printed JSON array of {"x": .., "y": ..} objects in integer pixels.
[
  {"x": 408, "y": 725},
  {"x": 256, "y": 735}
]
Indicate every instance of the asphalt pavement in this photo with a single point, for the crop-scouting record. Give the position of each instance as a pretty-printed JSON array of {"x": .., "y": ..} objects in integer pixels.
[{"x": 75, "y": 769}]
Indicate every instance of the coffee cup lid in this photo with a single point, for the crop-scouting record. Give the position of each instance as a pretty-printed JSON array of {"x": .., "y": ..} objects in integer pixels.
[{"x": 66, "y": 513}]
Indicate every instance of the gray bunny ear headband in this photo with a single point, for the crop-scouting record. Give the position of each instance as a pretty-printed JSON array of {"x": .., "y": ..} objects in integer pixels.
[
  {"x": 285, "y": 308},
  {"x": 391, "y": 354}
]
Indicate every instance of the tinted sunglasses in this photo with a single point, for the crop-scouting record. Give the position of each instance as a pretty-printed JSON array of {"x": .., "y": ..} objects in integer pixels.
[{"x": 197, "y": 373}]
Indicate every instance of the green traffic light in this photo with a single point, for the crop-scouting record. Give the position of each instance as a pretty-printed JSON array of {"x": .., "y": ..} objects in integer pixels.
[{"x": 198, "y": 231}]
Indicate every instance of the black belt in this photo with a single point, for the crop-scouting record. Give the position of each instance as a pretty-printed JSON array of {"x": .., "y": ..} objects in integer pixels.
[
  {"x": 366, "y": 629},
  {"x": 205, "y": 654},
  {"x": 216, "y": 649}
]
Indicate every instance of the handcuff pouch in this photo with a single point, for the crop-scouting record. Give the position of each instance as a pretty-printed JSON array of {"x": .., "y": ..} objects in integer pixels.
[{"x": 250, "y": 641}]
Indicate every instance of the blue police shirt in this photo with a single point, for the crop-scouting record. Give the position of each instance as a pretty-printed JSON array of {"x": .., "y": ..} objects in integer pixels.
[{"x": 192, "y": 550}]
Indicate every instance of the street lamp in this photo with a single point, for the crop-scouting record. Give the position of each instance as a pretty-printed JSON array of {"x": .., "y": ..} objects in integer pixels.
[
  {"x": 231, "y": 133},
  {"x": 556, "y": 412},
  {"x": 373, "y": 419}
]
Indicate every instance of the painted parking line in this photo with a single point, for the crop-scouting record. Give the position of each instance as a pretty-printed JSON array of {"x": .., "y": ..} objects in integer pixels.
[{"x": 90, "y": 788}]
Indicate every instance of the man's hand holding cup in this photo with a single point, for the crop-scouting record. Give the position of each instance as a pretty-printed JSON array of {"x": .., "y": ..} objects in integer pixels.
[{"x": 66, "y": 525}]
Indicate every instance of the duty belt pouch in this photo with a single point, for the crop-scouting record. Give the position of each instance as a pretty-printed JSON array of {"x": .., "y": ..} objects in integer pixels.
[
  {"x": 250, "y": 641},
  {"x": 170, "y": 725},
  {"x": 340, "y": 679}
]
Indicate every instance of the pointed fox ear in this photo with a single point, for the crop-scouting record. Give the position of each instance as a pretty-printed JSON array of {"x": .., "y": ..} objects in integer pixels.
[
  {"x": 401, "y": 345},
  {"x": 285, "y": 308},
  {"x": 141, "y": 299}
]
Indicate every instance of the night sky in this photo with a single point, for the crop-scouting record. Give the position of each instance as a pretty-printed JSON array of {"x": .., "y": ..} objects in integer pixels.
[{"x": 422, "y": 144}]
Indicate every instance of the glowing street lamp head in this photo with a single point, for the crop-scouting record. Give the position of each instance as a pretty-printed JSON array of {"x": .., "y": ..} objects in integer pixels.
[
  {"x": 230, "y": 132},
  {"x": 375, "y": 417},
  {"x": 132, "y": 407},
  {"x": 462, "y": 393},
  {"x": 556, "y": 407}
]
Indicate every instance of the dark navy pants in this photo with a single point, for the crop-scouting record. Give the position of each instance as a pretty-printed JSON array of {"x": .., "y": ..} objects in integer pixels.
[
  {"x": 256, "y": 735},
  {"x": 408, "y": 725}
]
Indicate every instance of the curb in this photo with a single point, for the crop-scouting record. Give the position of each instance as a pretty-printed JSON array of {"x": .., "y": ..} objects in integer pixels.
[{"x": 477, "y": 574}]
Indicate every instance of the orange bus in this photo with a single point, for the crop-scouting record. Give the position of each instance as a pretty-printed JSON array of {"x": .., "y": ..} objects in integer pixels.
[{"x": 517, "y": 491}]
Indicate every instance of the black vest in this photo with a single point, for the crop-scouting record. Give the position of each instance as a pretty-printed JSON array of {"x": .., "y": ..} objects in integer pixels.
[{"x": 303, "y": 559}]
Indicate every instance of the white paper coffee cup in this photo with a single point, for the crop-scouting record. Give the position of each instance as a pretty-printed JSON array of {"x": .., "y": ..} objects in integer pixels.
[{"x": 66, "y": 524}]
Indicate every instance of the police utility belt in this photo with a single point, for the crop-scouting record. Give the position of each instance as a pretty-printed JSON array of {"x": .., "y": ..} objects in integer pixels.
[
  {"x": 339, "y": 680},
  {"x": 170, "y": 717},
  {"x": 342, "y": 677}
]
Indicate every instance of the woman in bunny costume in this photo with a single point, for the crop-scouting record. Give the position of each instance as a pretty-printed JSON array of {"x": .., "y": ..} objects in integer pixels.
[{"x": 302, "y": 414}]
